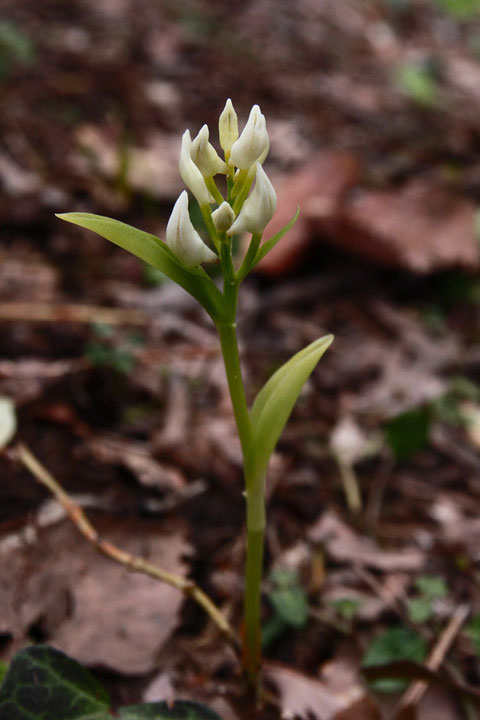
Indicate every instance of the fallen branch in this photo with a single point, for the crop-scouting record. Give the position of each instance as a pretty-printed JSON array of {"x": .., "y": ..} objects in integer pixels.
[
  {"x": 46, "y": 312},
  {"x": 131, "y": 562},
  {"x": 416, "y": 691}
]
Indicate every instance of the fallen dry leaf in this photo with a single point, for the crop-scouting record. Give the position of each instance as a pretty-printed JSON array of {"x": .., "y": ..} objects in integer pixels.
[
  {"x": 421, "y": 226},
  {"x": 323, "y": 181},
  {"x": 307, "y": 697},
  {"x": 344, "y": 545},
  {"x": 136, "y": 457},
  {"x": 152, "y": 169},
  {"x": 85, "y": 604}
]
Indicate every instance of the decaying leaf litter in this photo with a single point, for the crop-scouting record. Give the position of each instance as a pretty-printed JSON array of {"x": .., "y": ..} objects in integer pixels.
[{"x": 130, "y": 411}]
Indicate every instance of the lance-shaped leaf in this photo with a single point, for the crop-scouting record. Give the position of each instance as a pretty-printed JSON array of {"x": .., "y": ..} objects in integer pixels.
[
  {"x": 275, "y": 402},
  {"x": 270, "y": 244},
  {"x": 256, "y": 253},
  {"x": 155, "y": 252}
]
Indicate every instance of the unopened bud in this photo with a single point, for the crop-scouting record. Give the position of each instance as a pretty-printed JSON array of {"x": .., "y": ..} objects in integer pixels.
[
  {"x": 252, "y": 142},
  {"x": 258, "y": 208},
  {"x": 205, "y": 156},
  {"x": 191, "y": 175},
  {"x": 182, "y": 238},
  {"x": 227, "y": 127},
  {"x": 223, "y": 217}
]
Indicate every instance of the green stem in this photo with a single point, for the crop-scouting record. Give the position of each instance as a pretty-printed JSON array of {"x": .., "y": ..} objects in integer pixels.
[
  {"x": 254, "y": 485},
  {"x": 213, "y": 190},
  {"x": 253, "y": 579},
  {"x": 207, "y": 219},
  {"x": 228, "y": 342},
  {"x": 254, "y": 492}
]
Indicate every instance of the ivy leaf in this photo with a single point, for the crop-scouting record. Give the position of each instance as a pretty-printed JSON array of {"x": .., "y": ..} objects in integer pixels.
[
  {"x": 43, "y": 683},
  {"x": 288, "y": 598},
  {"x": 275, "y": 402},
  {"x": 155, "y": 252},
  {"x": 399, "y": 643},
  {"x": 181, "y": 710},
  {"x": 408, "y": 433}
]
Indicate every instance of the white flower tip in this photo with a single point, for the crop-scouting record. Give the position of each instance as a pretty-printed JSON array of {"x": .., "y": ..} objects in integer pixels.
[
  {"x": 228, "y": 127},
  {"x": 253, "y": 141},
  {"x": 258, "y": 208},
  {"x": 182, "y": 238},
  {"x": 223, "y": 217}
]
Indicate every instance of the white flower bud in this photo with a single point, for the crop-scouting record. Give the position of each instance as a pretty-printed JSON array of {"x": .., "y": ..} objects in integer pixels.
[
  {"x": 191, "y": 175},
  {"x": 182, "y": 238},
  {"x": 227, "y": 127},
  {"x": 223, "y": 217},
  {"x": 258, "y": 208},
  {"x": 252, "y": 142},
  {"x": 205, "y": 156}
]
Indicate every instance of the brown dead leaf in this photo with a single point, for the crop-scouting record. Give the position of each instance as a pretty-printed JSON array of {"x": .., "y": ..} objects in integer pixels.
[
  {"x": 87, "y": 605},
  {"x": 152, "y": 169},
  {"x": 136, "y": 457},
  {"x": 302, "y": 696},
  {"x": 26, "y": 379},
  {"x": 323, "y": 181},
  {"x": 344, "y": 545},
  {"x": 27, "y": 277},
  {"x": 421, "y": 226}
]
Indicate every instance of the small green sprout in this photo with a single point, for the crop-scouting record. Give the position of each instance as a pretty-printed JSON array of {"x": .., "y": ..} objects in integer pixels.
[{"x": 244, "y": 202}]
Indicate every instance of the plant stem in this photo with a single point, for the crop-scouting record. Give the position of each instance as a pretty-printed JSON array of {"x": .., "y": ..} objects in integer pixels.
[
  {"x": 228, "y": 342},
  {"x": 254, "y": 498},
  {"x": 253, "y": 579}
]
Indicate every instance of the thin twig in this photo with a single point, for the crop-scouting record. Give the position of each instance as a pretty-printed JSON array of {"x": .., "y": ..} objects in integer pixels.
[
  {"x": 416, "y": 691},
  {"x": 131, "y": 562},
  {"x": 46, "y": 312}
]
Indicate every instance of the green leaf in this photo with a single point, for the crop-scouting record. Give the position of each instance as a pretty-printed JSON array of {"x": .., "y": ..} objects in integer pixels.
[
  {"x": 181, "y": 710},
  {"x": 408, "y": 432},
  {"x": 288, "y": 598},
  {"x": 346, "y": 607},
  {"x": 275, "y": 402},
  {"x": 460, "y": 9},
  {"x": 473, "y": 632},
  {"x": 417, "y": 81},
  {"x": 398, "y": 643},
  {"x": 155, "y": 252},
  {"x": 420, "y": 610},
  {"x": 432, "y": 587},
  {"x": 3, "y": 670},
  {"x": 44, "y": 684},
  {"x": 270, "y": 244}
]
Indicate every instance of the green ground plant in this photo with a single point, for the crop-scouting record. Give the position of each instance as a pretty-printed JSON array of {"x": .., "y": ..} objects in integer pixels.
[{"x": 235, "y": 196}]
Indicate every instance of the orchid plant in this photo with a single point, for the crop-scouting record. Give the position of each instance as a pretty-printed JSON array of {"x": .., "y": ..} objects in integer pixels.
[{"x": 243, "y": 202}]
